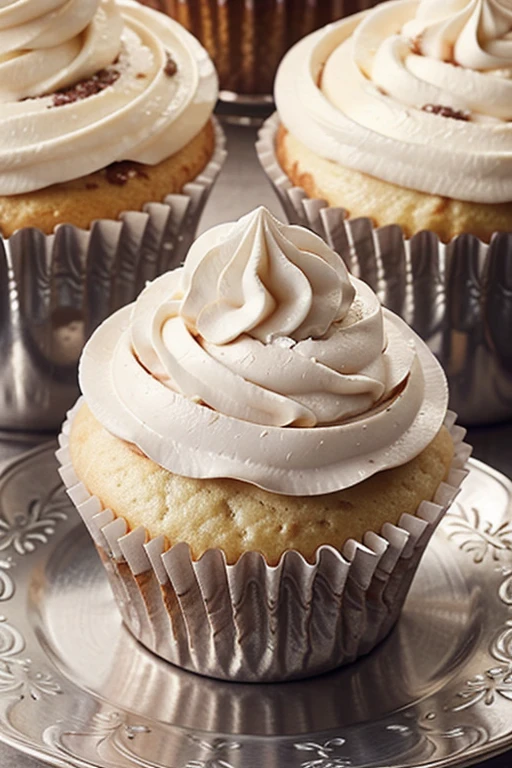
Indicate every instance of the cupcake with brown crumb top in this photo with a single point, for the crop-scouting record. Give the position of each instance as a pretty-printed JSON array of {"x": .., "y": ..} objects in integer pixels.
[
  {"x": 89, "y": 85},
  {"x": 105, "y": 130}
]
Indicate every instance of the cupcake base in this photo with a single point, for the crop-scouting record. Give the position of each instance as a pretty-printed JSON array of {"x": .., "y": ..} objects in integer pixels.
[
  {"x": 250, "y": 621},
  {"x": 105, "y": 194},
  {"x": 386, "y": 203}
]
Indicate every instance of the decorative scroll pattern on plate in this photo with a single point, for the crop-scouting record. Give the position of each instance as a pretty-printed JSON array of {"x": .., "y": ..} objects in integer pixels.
[
  {"x": 479, "y": 537},
  {"x": 17, "y": 674},
  {"x": 213, "y": 754},
  {"x": 25, "y": 529},
  {"x": 324, "y": 755}
]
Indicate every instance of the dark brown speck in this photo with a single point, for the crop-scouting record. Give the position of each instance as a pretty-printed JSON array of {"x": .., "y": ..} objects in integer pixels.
[
  {"x": 171, "y": 67},
  {"x": 85, "y": 88},
  {"x": 438, "y": 109}
]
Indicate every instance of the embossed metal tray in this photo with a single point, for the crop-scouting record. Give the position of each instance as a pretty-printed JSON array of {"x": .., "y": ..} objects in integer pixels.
[{"x": 77, "y": 690}]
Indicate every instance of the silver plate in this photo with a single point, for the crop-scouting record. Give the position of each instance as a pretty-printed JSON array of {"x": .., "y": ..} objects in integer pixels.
[{"x": 77, "y": 690}]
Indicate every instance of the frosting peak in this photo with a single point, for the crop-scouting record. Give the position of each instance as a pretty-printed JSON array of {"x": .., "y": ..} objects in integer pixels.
[
  {"x": 265, "y": 280},
  {"x": 262, "y": 359}
]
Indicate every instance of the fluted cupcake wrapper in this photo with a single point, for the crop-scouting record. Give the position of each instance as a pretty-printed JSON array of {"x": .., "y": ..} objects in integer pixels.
[
  {"x": 250, "y": 621},
  {"x": 457, "y": 296},
  {"x": 56, "y": 289}
]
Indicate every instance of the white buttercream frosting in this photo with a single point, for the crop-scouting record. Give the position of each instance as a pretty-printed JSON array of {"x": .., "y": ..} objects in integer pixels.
[
  {"x": 356, "y": 91},
  {"x": 261, "y": 359},
  {"x": 144, "y": 115}
]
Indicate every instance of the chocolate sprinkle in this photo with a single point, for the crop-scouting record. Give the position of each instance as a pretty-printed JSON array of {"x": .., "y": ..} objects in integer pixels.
[
  {"x": 120, "y": 173},
  {"x": 438, "y": 109},
  {"x": 415, "y": 44},
  {"x": 171, "y": 67},
  {"x": 86, "y": 88},
  {"x": 91, "y": 185}
]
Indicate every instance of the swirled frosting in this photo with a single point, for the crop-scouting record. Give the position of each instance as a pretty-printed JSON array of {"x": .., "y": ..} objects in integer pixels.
[
  {"x": 262, "y": 360},
  {"x": 415, "y": 93},
  {"x": 142, "y": 111}
]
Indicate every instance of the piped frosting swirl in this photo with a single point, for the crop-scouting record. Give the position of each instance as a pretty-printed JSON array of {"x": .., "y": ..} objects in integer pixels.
[
  {"x": 476, "y": 34},
  {"x": 140, "y": 112},
  {"x": 407, "y": 66},
  {"x": 263, "y": 360},
  {"x": 52, "y": 44}
]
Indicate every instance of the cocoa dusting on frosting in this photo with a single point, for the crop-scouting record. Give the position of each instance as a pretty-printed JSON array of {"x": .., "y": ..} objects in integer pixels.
[
  {"x": 171, "y": 67},
  {"x": 86, "y": 88},
  {"x": 438, "y": 109},
  {"x": 120, "y": 173}
]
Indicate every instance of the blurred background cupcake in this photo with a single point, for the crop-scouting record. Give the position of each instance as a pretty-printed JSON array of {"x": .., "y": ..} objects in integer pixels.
[
  {"x": 416, "y": 133},
  {"x": 107, "y": 154},
  {"x": 247, "y": 40}
]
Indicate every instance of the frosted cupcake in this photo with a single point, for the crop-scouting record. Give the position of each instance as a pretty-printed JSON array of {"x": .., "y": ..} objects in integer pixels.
[
  {"x": 86, "y": 86},
  {"x": 256, "y": 418},
  {"x": 402, "y": 114},
  {"x": 106, "y": 114}
]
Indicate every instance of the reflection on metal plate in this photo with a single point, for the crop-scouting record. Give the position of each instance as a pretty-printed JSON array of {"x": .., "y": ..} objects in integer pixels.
[{"x": 77, "y": 690}]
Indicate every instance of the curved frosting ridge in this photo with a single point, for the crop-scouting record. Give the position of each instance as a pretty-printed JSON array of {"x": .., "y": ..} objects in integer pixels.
[
  {"x": 475, "y": 34},
  {"x": 263, "y": 360},
  {"x": 265, "y": 283},
  {"x": 425, "y": 101},
  {"x": 52, "y": 44},
  {"x": 85, "y": 83}
]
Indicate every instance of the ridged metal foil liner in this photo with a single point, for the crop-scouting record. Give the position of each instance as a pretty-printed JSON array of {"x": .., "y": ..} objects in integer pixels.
[
  {"x": 247, "y": 39},
  {"x": 55, "y": 289},
  {"x": 250, "y": 621},
  {"x": 456, "y": 296}
]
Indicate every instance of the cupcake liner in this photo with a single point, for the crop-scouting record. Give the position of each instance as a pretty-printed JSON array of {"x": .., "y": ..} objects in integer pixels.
[
  {"x": 55, "y": 289},
  {"x": 250, "y": 621},
  {"x": 457, "y": 296}
]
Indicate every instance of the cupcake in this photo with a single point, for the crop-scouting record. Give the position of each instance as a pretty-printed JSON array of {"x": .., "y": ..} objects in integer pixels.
[
  {"x": 106, "y": 107},
  {"x": 247, "y": 40},
  {"x": 261, "y": 455},
  {"x": 416, "y": 130},
  {"x": 106, "y": 129},
  {"x": 402, "y": 165}
]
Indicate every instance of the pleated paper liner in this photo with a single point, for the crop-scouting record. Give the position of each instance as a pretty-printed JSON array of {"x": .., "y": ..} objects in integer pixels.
[
  {"x": 55, "y": 289},
  {"x": 456, "y": 296},
  {"x": 250, "y": 621}
]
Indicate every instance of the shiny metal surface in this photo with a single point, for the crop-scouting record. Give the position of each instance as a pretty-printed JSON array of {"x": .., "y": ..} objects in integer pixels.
[
  {"x": 55, "y": 290},
  {"x": 240, "y": 187},
  {"x": 77, "y": 690},
  {"x": 457, "y": 297}
]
